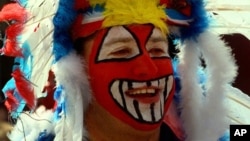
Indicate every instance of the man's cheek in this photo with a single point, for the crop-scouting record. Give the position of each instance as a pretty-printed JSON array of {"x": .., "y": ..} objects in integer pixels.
[
  {"x": 110, "y": 69},
  {"x": 164, "y": 66}
]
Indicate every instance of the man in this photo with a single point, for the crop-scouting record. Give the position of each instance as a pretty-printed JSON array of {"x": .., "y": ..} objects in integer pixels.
[
  {"x": 135, "y": 92},
  {"x": 125, "y": 89}
]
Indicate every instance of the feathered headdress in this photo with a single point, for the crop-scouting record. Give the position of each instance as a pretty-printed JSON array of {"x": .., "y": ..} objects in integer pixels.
[{"x": 44, "y": 42}]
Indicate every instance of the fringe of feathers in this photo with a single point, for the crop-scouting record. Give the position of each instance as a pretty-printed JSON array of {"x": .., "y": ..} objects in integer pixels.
[
  {"x": 203, "y": 109},
  {"x": 76, "y": 95}
]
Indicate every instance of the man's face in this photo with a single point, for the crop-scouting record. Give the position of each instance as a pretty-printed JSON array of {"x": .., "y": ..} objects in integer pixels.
[{"x": 131, "y": 74}]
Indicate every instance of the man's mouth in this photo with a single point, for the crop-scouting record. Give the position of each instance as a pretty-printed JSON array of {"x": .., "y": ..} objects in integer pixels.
[
  {"x": 143, "y": 100},
  {"x": 145, "y": 95}
]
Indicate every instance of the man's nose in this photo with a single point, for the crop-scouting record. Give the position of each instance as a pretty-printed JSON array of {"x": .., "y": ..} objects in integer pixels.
[{"x": 145, "y": 66}]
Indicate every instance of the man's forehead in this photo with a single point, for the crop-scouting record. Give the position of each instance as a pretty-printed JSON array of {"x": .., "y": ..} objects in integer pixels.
[{"x": 127, "y": 32}]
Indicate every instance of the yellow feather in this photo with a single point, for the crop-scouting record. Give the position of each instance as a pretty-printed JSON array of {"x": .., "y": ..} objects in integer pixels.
[{"x": 125, "y": 12}]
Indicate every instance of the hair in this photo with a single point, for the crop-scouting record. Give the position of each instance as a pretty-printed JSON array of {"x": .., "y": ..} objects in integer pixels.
[
  {"x": 172, "y": 47},
  {"x": 78, "y": 44}
]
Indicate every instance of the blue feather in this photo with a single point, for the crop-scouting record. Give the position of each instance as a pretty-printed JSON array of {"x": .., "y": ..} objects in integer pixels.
[
  {"x": 59, "y": 97},
  {"x": 62, "y": 21},
  {"x": 174, "y": 14},
  {"x": 200, "y": 21},
  {"x": 96, "y": 8},
  {"x": 10, "y": 85},
  {"x": 177, "y": 78},
  {"x": 44, "y": 136},
  {"x": 22, "y": 2},
  {"x": 24, "y": 64},
  {"x": 175, "y": 63},
  {"x": 225, "y": 137}
]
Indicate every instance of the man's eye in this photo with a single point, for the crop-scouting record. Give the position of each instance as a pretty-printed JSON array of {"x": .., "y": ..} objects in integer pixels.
[
  {"x": 124, "y": 52},
  {"x": 157, "y": 52}
]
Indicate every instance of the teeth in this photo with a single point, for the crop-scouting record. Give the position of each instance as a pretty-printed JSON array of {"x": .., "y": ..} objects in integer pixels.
[
  {"x": 150, "y": 90},
  {"x": 143, "y": 112},
  {"x": 143, "y": 91}
]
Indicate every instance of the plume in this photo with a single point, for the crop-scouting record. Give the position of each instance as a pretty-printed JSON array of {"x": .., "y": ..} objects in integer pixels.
[
  {"x": 11, "y": 102},
  {"x": 24, "y": 88},
  {"x": 14, "y": 15},
  {"x": 38, "y": 37}
]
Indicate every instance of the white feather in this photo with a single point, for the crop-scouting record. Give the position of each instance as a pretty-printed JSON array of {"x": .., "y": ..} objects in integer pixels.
[
  {"x": 204, "y": 117},
  {"x": 70, "y": 73},
  {"x": 63, "y": 131},
  {"x": 38, "y": 33},
  {"x": 29, "y": 125},
  {"x": 221, "y": 71},
  {"x": 191, "y": 92}
]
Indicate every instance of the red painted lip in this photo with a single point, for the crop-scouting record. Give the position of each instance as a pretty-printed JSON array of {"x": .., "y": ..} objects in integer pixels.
[{"x": 146, "y": 98}]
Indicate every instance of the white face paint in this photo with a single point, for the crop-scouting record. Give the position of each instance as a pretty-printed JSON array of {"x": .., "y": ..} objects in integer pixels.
[
  {"x": 118, "y": 44},
  {"x": 131, "y": 74},
  {"x": 143, "y": 100}
]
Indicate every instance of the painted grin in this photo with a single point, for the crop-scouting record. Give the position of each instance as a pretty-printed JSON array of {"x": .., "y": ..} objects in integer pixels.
[
  {"x": 145, "y": 94},
  {"x": 144, "y": 100}
]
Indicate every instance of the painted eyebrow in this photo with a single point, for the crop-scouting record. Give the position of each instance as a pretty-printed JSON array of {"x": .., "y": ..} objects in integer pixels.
[
  {"x": 158, "y": 39},
  {"x": 119, "y": 40}
]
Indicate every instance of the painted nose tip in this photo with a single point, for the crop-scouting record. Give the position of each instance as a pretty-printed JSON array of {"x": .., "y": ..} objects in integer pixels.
[{"x": 145, "y": 67}]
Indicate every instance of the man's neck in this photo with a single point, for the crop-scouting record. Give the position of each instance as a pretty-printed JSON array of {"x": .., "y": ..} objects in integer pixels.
[{"x": 102, "y": 126}]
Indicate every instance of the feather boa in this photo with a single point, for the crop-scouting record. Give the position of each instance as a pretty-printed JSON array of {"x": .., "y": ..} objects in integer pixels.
[
  {"x": 200, "y": 20},
  {"x": 190, "y": 90},
  {"x": 204, "y": 110},
  {"x": 75, "y": 85}
]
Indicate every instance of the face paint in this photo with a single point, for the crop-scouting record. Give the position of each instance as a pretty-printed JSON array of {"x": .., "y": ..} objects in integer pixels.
[{"x": 131, "y": 74}]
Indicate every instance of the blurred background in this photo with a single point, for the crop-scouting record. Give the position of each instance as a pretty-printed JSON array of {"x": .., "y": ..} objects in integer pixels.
[
  {"x": 232, "y": 16},
  {"x": 231, "y": 19}
]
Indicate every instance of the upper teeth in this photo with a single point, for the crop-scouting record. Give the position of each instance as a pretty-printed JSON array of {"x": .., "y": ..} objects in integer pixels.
[
  {"x": 127, "y": 94},
  {"x": 142, "y": 91}
]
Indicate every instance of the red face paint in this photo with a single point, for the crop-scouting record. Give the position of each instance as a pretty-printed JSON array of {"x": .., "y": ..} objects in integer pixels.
[{"x": 131, "y": 74}]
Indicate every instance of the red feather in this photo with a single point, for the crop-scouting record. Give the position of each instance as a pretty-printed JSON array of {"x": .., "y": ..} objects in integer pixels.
[
  {"x": 15, "y": 16},
  {"x": 24, "y": 88},
  {"x": 81, "y": 4},
  {"x": 49, "y": 101},
  {"x": 11, "y": 103},
  {"x": 181, "y": 6}
]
